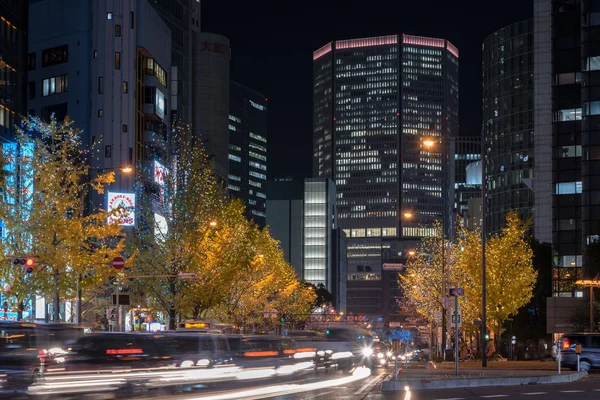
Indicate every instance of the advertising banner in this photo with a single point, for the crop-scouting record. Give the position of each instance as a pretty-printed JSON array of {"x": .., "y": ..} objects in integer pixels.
[{"x": 124, "y": 205}]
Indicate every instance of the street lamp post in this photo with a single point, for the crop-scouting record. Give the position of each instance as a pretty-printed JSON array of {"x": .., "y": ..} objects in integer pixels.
[{"x": 429, "y": 143}]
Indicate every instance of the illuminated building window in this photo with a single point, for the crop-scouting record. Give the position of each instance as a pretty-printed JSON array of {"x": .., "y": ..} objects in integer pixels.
[
  {"x": 568, "y": 188},
  {"x": 54, "y": 85}
]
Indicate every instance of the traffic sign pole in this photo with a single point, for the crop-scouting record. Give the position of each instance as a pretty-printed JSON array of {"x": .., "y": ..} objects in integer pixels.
[{"x": 456, "y": 334}]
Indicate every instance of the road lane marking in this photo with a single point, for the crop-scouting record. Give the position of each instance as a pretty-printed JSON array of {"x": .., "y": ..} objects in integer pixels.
[
  {"x": 372, "y": 381},
  {"x": 492, "y": 396},
  {"x": 534, "y": 393},
  {"x": 571, "y": 391},
  {"x": 322, "y": 394},
  {"x": 453, "y": 398}
]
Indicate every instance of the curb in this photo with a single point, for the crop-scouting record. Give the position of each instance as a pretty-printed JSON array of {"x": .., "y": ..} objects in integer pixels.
[{"x": 432, "y": 384}]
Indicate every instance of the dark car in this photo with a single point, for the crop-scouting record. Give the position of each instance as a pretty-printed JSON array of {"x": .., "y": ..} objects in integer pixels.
[{"x": 23, "y": 347}]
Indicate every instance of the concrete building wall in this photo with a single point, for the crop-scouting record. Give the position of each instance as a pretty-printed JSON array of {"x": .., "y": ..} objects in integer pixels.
[
  {"x": 210, "y": 93},
  {"x": 102, "y": 39}
]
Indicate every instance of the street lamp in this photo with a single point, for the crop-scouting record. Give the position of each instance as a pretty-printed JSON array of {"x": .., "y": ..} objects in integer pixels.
[
  {"x": 213, "y": 224},
  {"x": 429, "y": 143},
  {"x": 412, "y": 253}
]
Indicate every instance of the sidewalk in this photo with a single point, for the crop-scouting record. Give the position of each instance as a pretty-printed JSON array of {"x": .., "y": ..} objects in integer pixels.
[
  {"x": 508, "y": 373},
  {"x": 513, "y": 365}
]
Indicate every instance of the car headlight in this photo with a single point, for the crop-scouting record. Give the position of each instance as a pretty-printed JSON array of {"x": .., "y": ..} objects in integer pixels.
[
  {"x": 389, "y": 354},
  {"x": 380, "y": 355},
  {"x": 367, "y": 351}
]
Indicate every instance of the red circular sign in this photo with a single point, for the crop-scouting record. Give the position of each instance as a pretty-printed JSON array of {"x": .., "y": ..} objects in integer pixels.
[{"x": 118, "y": 262}]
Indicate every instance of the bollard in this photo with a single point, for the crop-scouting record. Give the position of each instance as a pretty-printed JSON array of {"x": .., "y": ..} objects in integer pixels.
[
  {"x": 558, "y": 358},
  {"x": 578, "y": 362}
]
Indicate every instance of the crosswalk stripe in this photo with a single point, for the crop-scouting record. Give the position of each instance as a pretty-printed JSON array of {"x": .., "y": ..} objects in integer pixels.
[
  {"x": 534, "y": 393},
  {"x": 491, "y": 396},
  {"x": 571, "y": 391}
]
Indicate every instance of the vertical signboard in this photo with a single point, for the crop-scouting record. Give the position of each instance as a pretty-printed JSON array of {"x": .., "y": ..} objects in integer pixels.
[{"x": 123, "y": 207}]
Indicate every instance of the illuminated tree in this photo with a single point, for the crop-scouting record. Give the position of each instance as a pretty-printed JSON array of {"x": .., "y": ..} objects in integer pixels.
[
  {"x": 421, "y": 282},
  {"x": 181, "y": 199},
  {"x": 187, "y": 225},
  {"x": 45, "y": 183},
  {"x": 510, "y": 274}
]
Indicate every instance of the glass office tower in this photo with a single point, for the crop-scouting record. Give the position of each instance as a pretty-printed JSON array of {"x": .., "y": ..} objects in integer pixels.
[
  {"x": 508, "y": 122},
  {"x": 247, "y": 176},
  {"x": 375, "y": 101}
]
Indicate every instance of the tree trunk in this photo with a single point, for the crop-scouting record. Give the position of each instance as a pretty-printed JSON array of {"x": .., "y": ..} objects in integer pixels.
[
  {"x": 172, "y": 319},
  {"x": 20, "y": 309},
  {"x": 56, "y": 297}
]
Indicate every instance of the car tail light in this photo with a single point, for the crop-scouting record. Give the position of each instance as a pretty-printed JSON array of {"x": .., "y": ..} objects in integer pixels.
[{"x": 566, "y": 344}]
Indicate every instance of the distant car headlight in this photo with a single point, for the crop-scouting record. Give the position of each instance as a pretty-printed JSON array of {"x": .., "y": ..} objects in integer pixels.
[
  {"x": 380, "y": 355},
  {"x": 389, "y": 354},
  {"x": 367, "y": 351}
]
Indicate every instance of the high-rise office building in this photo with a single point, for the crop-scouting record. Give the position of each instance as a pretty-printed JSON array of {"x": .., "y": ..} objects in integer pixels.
[
  {"x": 466, "y": 170},
  {"x": 301, "y": 214},
  {"x": 247, "y": 177},
  {"x": 567, "y": 144},
  {"x": 210, "y": 92},
  {"x": 508, "y": 124},
  {"x": 182, "y": 17},
  {"x": 375, "y": 101},
  {"x": 13, "y": 65}
]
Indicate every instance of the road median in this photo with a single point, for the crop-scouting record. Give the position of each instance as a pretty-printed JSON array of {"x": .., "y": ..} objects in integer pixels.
[{"x": 480, "y": 378}]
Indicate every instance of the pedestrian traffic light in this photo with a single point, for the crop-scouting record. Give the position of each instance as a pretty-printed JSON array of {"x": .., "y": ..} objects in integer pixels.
[
  {"x": 27, "y": 262},
  {"x": 282, "y": 319}
]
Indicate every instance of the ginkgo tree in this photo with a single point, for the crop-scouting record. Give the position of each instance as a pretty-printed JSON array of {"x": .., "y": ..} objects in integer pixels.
[
  {"x": 510, "y": 275},
  {"x": 188, "y": 225},
  {"x": 46, "y": 180},
  {"x": 181, "y": 200}
]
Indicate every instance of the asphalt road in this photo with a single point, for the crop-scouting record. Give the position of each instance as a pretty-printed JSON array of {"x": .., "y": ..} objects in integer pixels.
[
  {"x": 369, "y": 389},
  {"x": 339, "y": 386}
]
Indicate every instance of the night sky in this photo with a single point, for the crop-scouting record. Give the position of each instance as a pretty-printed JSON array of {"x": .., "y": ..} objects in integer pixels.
[{"x": 272, "y": 44}]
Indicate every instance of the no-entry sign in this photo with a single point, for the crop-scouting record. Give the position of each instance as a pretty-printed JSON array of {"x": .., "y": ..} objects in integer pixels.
[{"x": 118, "y": 262}]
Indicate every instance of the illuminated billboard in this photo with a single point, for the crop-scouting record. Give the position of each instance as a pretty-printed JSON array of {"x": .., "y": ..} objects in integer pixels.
[{"x": 123, "y": 207}]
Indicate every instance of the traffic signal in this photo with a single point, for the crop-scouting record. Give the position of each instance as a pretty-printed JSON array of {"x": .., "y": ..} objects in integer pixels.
[
  {"x": 27, "y": 262},
  {"x": 282, "y": 319}
]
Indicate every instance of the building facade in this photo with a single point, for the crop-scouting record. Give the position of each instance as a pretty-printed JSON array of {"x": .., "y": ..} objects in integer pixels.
[
  {"x": 375, "y": 101},
  {"x": 567, "y": 146},
  {"x": 302, "y": 216},
  {"x": 247, "y": 177},
  {"x": 105, "y": 66},
  {"x": 13, "y": 65},
  {"x": 467, "y": 175},
  {"x": 508, "y": 123},
  {"x": 182, "y": 18},
  {"x": 210, "y": 93}
]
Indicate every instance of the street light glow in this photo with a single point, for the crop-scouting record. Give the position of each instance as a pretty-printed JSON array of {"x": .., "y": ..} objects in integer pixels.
[
  {"x": 408, "y": 215},
  {"x": 411, "y": 253},
  {"x": 213, "y": 224},
  {"x": 127, "y": 169},
  {"x": 428, "y": 143}
]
